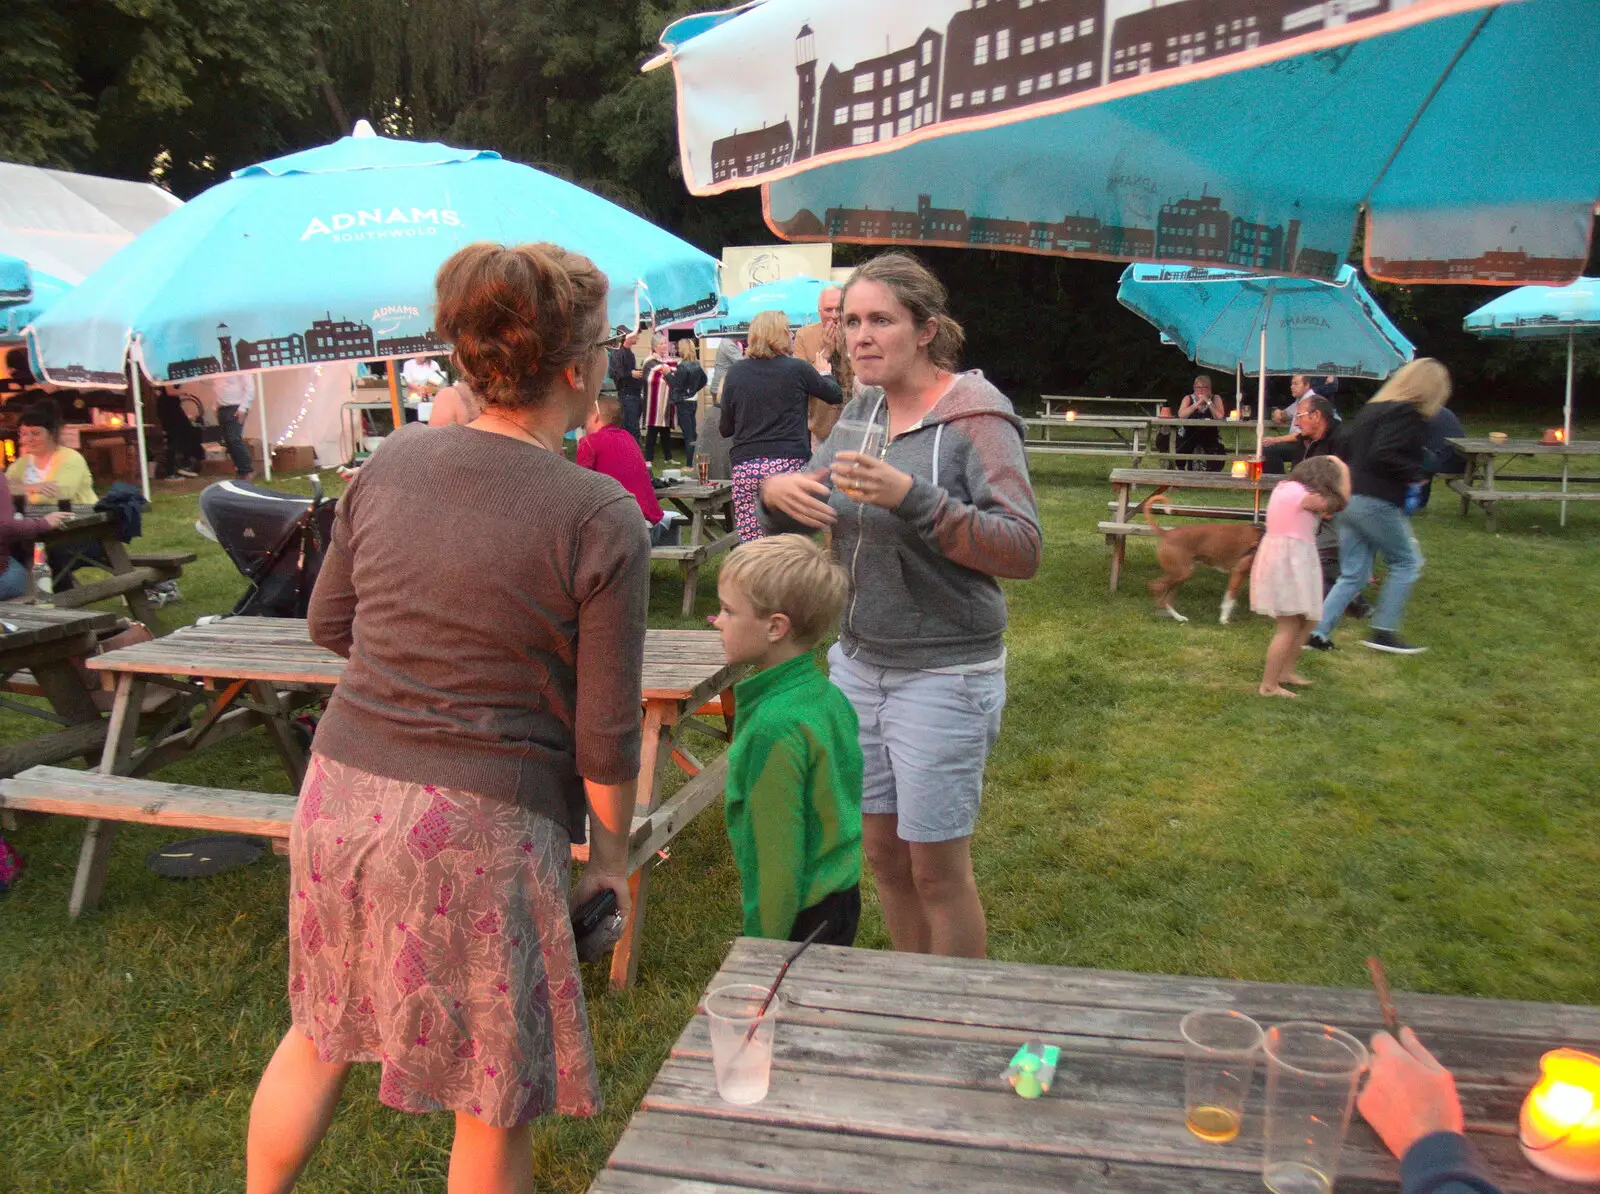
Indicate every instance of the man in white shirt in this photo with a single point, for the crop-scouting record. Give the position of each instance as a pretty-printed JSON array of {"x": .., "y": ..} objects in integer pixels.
[
  {"x": 234, "y": 394},
  {"x": 422, "y": 376}
]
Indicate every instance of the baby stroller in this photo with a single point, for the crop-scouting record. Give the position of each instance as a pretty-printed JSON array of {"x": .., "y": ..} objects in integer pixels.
[{"x": 276, "y": 540}]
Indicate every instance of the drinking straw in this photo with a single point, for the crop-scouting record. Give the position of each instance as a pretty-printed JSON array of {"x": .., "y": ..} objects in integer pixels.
[{"x": 773, "y": 989}]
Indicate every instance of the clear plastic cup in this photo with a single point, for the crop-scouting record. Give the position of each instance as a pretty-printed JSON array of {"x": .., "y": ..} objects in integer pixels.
[
  {"x": 1219, "y": 1060},
  {"x": 858, "y": 435},
  {"x": 742, "y": 1059},
  {"x": 1312, "y": 1072}
]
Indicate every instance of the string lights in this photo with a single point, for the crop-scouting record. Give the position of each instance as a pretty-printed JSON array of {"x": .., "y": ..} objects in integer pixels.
[{"x": 306, "y": 400}]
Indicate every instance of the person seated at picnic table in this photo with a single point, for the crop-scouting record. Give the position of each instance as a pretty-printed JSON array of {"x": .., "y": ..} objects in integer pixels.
[
  {"x": 1411, "y": 1102},
  {"x": 793, "y": 802},
  {"x": 606, "y": 447},
  {"x": 44, "y": 470},
  {"x": 16, "y": 533},
  {"x": 766, "y": 408},
  {"x": 924, "y": 530},
  {"x": 1440, "y": 457},
  {"x": 1201, "y": 403},
  {"x": 484, "y": 710}
]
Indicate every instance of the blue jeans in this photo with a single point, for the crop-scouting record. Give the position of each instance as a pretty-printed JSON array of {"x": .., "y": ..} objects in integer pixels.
[
  {"x": 232, "y": 425},
  {"x": 13, "y": 580},
  {"x": 1370, "y": 527}
]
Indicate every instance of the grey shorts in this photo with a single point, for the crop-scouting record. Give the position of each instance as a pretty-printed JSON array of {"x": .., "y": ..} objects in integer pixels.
[{"x": 925, "y": 737}]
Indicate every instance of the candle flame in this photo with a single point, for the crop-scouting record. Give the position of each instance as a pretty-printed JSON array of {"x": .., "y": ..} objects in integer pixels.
[{"x": 1562, "y": 1104}]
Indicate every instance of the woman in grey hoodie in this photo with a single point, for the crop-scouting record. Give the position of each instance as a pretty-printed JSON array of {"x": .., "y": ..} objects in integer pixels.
[{"x": 924, "y": 530}]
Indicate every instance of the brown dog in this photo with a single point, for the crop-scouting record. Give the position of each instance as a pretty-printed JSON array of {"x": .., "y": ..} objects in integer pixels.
[{"x": 1226, "y": 546}]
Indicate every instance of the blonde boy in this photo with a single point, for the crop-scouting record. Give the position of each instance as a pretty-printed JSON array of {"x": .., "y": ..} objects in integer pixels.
[{"x": 794, "y": 769}]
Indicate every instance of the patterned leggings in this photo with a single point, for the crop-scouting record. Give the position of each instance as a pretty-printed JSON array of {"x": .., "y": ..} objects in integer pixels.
[{"x": 747, "y": 478}]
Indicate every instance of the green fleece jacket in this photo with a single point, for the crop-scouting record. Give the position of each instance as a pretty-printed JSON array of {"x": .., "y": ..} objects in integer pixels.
[{"x": 793, "y": 797}]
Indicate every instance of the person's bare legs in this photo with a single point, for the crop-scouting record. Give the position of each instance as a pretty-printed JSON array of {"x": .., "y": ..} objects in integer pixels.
[
  {"x": 1300, "y": 640},
  {"x": 948, "y": 894},
  {"x": 890, "y": 858},
  {"x": 485, "y": 1160},
  {"x": 1284, "y": 640},
  {"x": 290, "y": 1114}
]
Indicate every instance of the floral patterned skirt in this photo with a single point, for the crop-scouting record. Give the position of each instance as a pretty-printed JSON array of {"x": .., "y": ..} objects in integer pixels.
[
  {"x": 429, "y": 930},
  {"x": 747, "y": 478}
]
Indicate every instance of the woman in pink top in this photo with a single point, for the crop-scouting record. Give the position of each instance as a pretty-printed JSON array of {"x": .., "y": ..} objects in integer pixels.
[{"x": 1286, "y": 579}]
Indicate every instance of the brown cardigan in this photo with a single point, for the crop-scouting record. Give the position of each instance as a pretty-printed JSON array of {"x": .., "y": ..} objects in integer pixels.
[{"x": 490, "y": 597}]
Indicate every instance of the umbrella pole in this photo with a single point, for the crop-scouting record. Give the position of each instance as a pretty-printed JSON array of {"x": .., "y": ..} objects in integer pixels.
[
  {"x": 1261, "y": 405},
  {"x": 394, "y": 394},
  {"x": 138, "y": 432},
  {"x": 1566, "y": 425},
  {"x": 261, "y": 418}
]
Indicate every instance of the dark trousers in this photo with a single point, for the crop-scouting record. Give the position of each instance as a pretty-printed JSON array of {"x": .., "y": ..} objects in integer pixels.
[
  {"x": 688, "y": 413},
  {"x": 184, "y": 448},
  {"x": 1280, "y": 458},
  {"x": 1207, "y": 440},
  {"x": 632, "y": 412},
  {"x": 650, "y": 437},
  {"x": 841, "y": 912},
  {"x": 233, "y": 438}
]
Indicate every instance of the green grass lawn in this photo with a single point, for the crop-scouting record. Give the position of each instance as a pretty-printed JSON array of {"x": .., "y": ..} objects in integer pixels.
[{"x": 1145, "y": 810}]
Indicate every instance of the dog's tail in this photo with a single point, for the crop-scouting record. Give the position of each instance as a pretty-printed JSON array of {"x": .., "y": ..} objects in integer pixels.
[{"x": 1149, "y": 516}]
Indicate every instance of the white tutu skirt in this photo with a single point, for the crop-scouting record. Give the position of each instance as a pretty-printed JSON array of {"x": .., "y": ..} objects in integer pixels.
[{"x": 1286, "y": 578}]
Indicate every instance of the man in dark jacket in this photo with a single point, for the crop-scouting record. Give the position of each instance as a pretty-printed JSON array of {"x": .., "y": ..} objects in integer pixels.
[{"x": 630, "y": 390}]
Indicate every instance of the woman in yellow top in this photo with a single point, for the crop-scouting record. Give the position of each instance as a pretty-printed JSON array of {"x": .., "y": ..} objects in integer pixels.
[{"x": 44, "y": 470}]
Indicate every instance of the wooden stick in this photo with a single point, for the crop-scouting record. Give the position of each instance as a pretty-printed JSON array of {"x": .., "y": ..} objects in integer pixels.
[
  {"x": 1380, "y": 984},
  {"x": 773, "y": 989}
]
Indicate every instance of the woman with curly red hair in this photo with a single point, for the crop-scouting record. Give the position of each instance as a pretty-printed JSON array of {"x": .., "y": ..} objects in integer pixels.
[{"x": 490, "y": 598}]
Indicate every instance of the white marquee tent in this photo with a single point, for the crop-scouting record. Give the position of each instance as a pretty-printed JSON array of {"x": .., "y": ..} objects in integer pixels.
[{"x": 69, "y": 224}]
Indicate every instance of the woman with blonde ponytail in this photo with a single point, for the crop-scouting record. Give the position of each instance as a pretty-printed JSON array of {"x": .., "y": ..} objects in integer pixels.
[{"x": 923, "y": 525}]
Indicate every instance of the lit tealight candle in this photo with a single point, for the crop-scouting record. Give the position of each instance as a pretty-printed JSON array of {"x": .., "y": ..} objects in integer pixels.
[
  {"x": 1071, "y": 415},
  {"x": 1241, "y": 468},
  {"x": 1233, "y": 416},
  {"x": 1561, "y": 1120}
]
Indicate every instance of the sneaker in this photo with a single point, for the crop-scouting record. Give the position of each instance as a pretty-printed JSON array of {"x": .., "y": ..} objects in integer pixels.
[
  {"x": 1318, "y": 642},
  {"x": 1389, "y": 641},
  {"x": 187, "y": 472}
]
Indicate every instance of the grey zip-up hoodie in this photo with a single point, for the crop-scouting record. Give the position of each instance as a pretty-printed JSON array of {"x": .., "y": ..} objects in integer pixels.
[{"x": 923, "y": 592}]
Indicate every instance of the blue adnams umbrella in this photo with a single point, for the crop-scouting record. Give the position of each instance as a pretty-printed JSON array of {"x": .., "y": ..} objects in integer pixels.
[
  {"x": 16, "y": 283},
  {"x": 1227, "y": 319},
  {"x": 796, "y": 297},
  {"x": 47, "y": 290},
  {"x": 1544, "y": 313}
]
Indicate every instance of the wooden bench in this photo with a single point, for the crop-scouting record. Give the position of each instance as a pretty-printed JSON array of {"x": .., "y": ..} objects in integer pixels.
[
  {"x": 108, "y": 799},
  {"x": 167, "y": 565},
  {"x": 1488, "y": 497},
  {"x": 689, "y": 557}
]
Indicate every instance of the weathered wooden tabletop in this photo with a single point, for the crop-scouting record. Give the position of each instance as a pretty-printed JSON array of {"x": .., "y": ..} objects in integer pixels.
[
  {"x": 887, "y": 1078},
  {"x": 678, "y": 664},
  {"x": 1476, "y": 446},
  {"x": 35, "y": 624}
]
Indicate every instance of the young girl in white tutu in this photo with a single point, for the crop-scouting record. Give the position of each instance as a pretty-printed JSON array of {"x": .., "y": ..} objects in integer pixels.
[{"x": 1286, "y": 579}]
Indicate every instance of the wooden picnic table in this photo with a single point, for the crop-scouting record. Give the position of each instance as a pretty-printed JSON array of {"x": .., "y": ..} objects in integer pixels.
[
  {"x": 1125, "y": 480},
  {"x": 239, "y": 673},
  {"x": 709, "y": 509},
  {"x": 39, "y": 650},
  {"x": 1483, "y": 456},
  {"x": 887, "y": 1077},
  {"x": 128, "y": 580},
  {"x": 1051, "y": 402},
  {"x": 1127, "y": 432}
]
